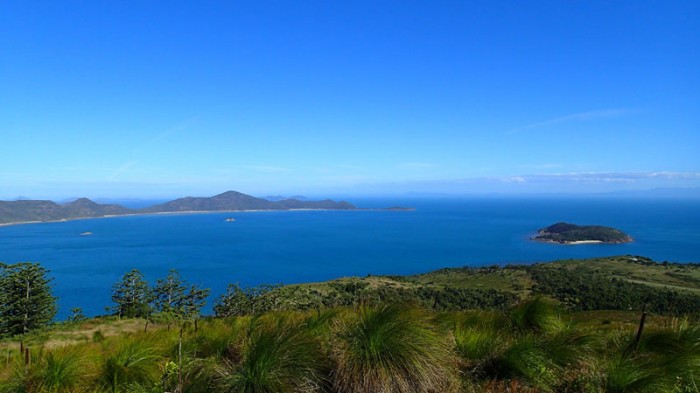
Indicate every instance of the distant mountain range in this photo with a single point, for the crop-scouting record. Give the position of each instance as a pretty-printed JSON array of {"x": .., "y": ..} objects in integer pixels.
[
  {"x": 34, "y": 210},
  {"x": 277, "y": 198}
]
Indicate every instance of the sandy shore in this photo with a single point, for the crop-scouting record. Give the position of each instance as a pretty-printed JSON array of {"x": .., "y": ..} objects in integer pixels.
[
  {"x": 583, "y": 242},
  {"x": 164, "y": 213},
  {"x": 570, "y": 243}
]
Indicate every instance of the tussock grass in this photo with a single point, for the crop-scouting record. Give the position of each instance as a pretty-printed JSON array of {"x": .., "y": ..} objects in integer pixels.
[
  {"x": 394, "y": 348},
  {"x": 130, "y": 364},
  {"x": 389, "y": 349},
  {"x": 218, "y": 338},
  {"x": 536, "y": 315},
  {"x": 58, "y": 371},
  {"x": 531, "y": 344},
  {"x": 278, "y": 355}
]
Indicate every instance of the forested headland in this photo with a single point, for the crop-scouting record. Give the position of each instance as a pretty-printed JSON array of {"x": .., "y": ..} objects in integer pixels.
[{"x": 23, "y": 211}]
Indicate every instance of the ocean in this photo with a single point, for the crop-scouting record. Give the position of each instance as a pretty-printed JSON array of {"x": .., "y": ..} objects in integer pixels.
[{"x": 304, "y": 246}]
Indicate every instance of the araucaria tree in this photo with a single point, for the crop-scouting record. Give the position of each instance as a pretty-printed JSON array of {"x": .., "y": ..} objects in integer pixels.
[
  {"x": 238, "y": 301},
  {"x": 169, "y": 294},
  {"x": 193, "y": 302},
  {"x": 26, "y": 302},
  {"x": 132, "y": 296},
  {"x": 170, "y": 300},
  {"x": 235, "y": 302},
  {"x": 175, "y": 301}
]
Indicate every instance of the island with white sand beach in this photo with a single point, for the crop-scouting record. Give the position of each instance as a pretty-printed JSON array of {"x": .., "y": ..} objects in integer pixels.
[{"x": 566, "y": 233}]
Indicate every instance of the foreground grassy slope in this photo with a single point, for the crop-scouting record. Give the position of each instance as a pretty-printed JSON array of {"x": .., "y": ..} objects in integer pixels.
[
  {"x": 532, "y": 347},
  {"x": 566, "y": 326}
]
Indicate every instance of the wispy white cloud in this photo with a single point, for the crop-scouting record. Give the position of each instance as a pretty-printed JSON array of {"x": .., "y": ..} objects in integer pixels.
[
  {"x": 156, "y": 140},
  {"x": 674, "y": 175},
  {"x": 267, "y": 168},
  {"x": 416, "y": 165},
  {"x": 514, "y": 179},
  {"x": 349, "y": 166},
  {"x": 541, "y": 167},
  {"x": 125, "y": 167},
  {"x": 613, "y": 177},
  {"x": 573, "y": 183},
  {"x": 575, "y": 117},
  {"x": 345, "y": 180},
  {"x": 153, "y": 142}
]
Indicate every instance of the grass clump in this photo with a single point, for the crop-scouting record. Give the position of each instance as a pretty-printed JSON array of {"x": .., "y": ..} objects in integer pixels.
[
  {"x": 131, "y": 364},
  {"x": 278, "y": 354},
  {"x": 59, "y": 371},
  {"x": 373, "y": 352}
]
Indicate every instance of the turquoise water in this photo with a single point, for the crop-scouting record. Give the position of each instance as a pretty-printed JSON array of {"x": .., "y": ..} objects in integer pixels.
[{"x": 300, "y": 246}]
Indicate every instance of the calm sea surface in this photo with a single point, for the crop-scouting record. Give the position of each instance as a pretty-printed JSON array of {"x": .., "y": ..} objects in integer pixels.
[{"x": 300, "y": 246}]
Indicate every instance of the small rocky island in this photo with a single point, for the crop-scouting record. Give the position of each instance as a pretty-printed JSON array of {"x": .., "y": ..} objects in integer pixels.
[
  {"x": 399, "y": 209},
  {"x": 565, "y": 233}
]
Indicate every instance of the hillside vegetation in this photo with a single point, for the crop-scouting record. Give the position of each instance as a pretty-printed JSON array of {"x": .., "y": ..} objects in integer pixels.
[
  {"x": 611, "y": 283},
  {"x": 532, "y": 347},
  {"x": 573, "y": 326}
]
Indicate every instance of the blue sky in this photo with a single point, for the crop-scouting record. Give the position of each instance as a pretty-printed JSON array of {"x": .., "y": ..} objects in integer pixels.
[{"x": 173, "y": 98}]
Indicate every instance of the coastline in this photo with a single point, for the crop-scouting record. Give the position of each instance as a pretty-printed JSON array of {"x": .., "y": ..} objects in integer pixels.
[
  {"x": 574, "y": 243},
  {"x": 410, "y": 209},
  {"x": 577, "y": 242},
  {"x": 7, "y": 224},
  {"x": 585, "y": 242}
]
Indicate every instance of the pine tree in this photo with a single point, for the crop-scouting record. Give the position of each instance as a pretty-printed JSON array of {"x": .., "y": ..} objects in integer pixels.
[
  {"x": 170, "y": 294},
  {"x": 249, "y": 301},
  {"x": 26, "y": 299},
  {"x": 168, "y": 298},
  {"x": 193, "y": 302},
  {"x": 175, "y": 301},
  {"x": 132, "y": 296},
  {"x": 235, "y": 302}
]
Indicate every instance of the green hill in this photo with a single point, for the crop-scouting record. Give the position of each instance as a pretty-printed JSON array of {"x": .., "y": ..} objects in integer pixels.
[
  {"x": 611, "y": 283},
  {"x": 30, "y": 210},
  {"x": 42, "y": 211},
  {"x": 566, "y": 233}
]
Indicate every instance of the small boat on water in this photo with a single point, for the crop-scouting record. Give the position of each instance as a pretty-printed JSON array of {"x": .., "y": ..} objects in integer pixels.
[
  {"x": 86, "y": 234},
  {"x": 230, "y": 219}
]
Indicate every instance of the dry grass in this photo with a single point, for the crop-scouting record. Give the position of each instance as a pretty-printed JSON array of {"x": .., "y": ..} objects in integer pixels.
[{"x": 76, "y": 333}]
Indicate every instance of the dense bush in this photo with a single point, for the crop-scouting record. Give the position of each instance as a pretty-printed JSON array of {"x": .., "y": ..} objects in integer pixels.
[
  {"x": 594, "y": 291},
  {"x": 257, "y": 300}
]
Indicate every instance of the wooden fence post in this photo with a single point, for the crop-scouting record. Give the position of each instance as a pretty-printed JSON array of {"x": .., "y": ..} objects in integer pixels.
[{"x": 640, "y": 330}]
